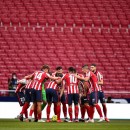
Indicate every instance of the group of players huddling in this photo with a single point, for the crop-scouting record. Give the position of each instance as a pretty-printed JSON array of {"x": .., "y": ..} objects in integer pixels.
[{"x": 83, "y": 90}]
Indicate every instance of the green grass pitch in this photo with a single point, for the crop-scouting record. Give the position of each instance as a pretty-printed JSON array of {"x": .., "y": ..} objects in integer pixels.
[{"x": 13, "y": 124}]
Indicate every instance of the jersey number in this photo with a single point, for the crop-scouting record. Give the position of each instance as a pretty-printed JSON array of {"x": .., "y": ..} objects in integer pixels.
[
  {"x": 38, "y": 76},
  {"x": 73, "y": 79}
]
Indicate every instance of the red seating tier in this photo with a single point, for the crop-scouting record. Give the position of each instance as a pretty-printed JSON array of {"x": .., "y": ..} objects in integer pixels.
[{"x": 67, "y": 33}]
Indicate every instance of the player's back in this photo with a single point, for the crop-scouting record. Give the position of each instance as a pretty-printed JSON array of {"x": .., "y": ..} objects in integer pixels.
[
  {"x": 38, "y": 78},
  {"x": 52, "y": 85},
  {"x": 71, "y": 83}
]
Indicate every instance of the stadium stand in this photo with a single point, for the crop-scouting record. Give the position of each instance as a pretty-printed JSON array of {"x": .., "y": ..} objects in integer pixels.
[{"x": 67, "y": 33}]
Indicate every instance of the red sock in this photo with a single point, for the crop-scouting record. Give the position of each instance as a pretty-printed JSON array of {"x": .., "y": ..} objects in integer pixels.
[
  {"x": 82, "y": 109},
  {"x": 58, "y": 112},
  {"x": 91, "y": 112},
  {"x": 39, "y": 116},
  {"x": 64, "y": 109},
  {"x": 104, "y": 110},
  {"x": 35, "y": 113},
  {"x": 76, "y": 112},
  {"x": 31, "y": 112},
  {"x": 26, "y": 114},
  {"x": 55, "y": 108},
  {"x": 48, "y": 112},
  {"x": 25, "y": 107},
  {"x": 87, "y": 107},
  {"x": 99, "y": 110},
  {"x": 70, "y": 113}
]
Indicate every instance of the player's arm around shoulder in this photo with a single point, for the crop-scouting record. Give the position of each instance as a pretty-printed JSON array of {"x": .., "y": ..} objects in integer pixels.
[
  {"x": 81, "y": 77},
  {"x": 52, "y": 77},
  {"x": 59, "y": 80},
  {"x": 29, "y": 76}
]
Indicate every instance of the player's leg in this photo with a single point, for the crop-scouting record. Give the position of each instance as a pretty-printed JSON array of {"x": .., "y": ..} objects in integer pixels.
[
  {"x": 70, "y": 96},
  {"x": 55, "y": 108},
  {"x": 102, "y": 100},
  {"x": 31, "y": 112},
  {"x": 44, "y": 102},
  {"x": 49, "y": 102},
  {"x": 82, "y": 110},
  {"x": 58, "y": 111},
  {"x": 26, "y": 105},
  {"x": 57, "y": 104},
  {"x": 39, "y": 101},
  {"x": 86, "y": 104},
  {"x": 48, "y": 111},
  {"x": 43, "y": 97},
  {"x": 105, "y": 112},
  {"x": 76, "y": 102},
  {"x": 98, "y": 108},
  {"x": 91, "y": 108},
  {"x": 34, "y": 100},
  {"x": 64, "y": 107},
  {"x": 35, "y": 111}
]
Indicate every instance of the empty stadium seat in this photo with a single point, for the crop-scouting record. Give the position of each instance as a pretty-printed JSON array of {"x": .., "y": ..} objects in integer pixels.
[{"x": 66, "y": 33}]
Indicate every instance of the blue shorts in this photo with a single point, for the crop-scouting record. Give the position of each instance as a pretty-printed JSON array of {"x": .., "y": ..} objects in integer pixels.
[
  {"x": 28, "y": 97},
  {"x": 101, "y": 97},
  {"x": 52, "y": 95},
  {"x": 36, "y": 95},
  {"x": 84, "y": 100},
  {"x": 73, "y": 97},
  {"x": 62, "y": 99},
  {"x": 93, "y": 98},
  {"x": 21, "y": 98}
]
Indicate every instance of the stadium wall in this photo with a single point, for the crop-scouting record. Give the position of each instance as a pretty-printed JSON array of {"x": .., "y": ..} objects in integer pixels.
[{"x": 115, "y": 111}]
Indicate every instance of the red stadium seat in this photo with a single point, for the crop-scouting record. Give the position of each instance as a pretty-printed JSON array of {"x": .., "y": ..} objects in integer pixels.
[
  {"x": 88, "y": 23},
  {"x": 124, "y": 23},
  {"x": 24, "y": 21},
  {"x": 15, "y": 21},
  {"x": 67, "y": 33},
  {"x": 6, "y": 21}
]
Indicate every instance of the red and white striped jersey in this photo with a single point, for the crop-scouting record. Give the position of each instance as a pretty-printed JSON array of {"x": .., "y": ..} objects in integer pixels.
[
  {"x": 20, "y": 87},
  {"x": 28, "y": 85},
  {"x": 53, "y": 85},
  {"x": 92, "y": 81},
  {"x": 99, "y": 77},
  {"x": 38, "y": 78},
  {"x": 71, "y": 83}
]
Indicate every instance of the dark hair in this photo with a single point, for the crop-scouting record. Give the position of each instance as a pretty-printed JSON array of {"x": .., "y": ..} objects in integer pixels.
[
  {"x": 58, "y": 67},
  {"x": 74, "y": 70},
  {"x": 45, "y": 67},
  {"x": 93, "y": 64},
  {"x": 50, "y": 72},
  {"x": 71, "y": 69},
  {"x": 85, "y": 66},
  {"x": 59, "y": 75}
]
